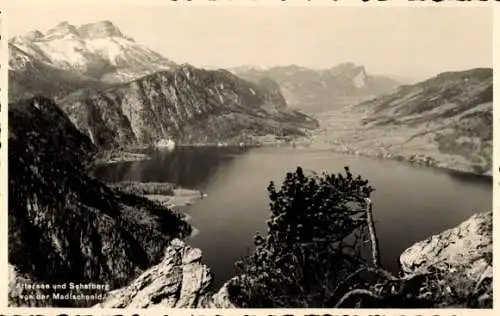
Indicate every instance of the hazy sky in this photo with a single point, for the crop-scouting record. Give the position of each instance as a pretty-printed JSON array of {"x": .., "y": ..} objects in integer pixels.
[{"x": 409, "y": 42}]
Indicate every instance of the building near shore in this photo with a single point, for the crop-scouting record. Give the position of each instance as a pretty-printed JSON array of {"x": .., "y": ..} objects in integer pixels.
[{"x": 166, "y": 143}]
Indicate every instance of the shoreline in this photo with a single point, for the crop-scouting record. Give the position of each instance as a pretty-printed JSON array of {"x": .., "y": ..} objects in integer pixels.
[
  {"x": 168, "y": 195},
  {"x": 182, "y": 199},
  {"x": 178, "y": 204},
  {"x": 118, "y": 157},
  {"x": 412, "y": 159},
  {"x": 416, "y": 160},
  {"x": 421, "y": 161}
]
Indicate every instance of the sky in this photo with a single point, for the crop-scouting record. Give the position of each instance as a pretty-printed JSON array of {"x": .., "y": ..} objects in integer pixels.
[{"x": 408, "y": 42}]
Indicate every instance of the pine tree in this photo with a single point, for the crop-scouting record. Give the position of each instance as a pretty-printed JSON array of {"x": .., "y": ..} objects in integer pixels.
[{"x": 309, "y": 246}]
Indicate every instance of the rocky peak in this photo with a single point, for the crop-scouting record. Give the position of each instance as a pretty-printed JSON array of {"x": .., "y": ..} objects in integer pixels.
[
  {"x": 62, "y": 29},
  {"x": 101, "y": 29},
  {"x": 361, "y": 70},
  {"x": 347, "y": 69},
  {"x": 187, "y": 69},
  {"x": 340, "y": 68},
  {"x": 34, "y": 35},
  {"x": 98, "y": 51},
  {"x": 292, "y": 68},
  {"x": 359, "y": 80},
  {"x": 347, "y": 65}
]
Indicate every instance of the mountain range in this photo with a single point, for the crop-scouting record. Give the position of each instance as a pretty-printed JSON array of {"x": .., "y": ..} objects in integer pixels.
[
  {"x": 120, "y": 93},
  {"x": 98, "y": 55},
  {"x": 314, "y": 91}
]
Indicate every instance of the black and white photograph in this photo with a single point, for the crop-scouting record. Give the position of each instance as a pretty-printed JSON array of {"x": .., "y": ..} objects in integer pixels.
[{"x": 250, "y": 156}]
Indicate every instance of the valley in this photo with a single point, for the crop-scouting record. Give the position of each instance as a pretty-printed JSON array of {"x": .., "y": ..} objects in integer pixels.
[{"x": 450, "y": 125}]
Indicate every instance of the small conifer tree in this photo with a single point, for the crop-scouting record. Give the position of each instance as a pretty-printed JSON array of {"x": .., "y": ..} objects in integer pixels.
[{"x": 310, "y": 245}]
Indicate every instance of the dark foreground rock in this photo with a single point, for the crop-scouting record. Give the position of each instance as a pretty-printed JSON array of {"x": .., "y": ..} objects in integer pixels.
[
  {"x": 463, "y": 258},
  {"x": 180, "y": 280},
  {"x": 65, "y": 226},
  {"x": 470, "y": 244}
]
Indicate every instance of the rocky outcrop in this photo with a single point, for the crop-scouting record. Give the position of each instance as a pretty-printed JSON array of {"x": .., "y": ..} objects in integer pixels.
[
  {"x": 220, "y": 299},
  {"x": 101, "y": 29},
  {"x": 181, "y": 280},
  {"x": 188, "y": 105},
  {"x": 65, "y": 226},
  {"x": 468, "y": 245},
  {"x": 460, "y": 262}
]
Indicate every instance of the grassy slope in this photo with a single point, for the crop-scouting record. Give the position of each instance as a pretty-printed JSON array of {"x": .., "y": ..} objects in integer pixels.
[{"x": 445, "y": 121}]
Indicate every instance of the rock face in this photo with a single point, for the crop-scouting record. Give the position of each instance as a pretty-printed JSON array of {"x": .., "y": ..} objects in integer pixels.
[
  {"x": 65, "y": 226},
  {"x": 461, "y": 259},
  {"x": 179, "y": 281},
  {"x": 469, "y": 246},
  {"x": 315, "y": 91},
  {"x": 188, "y": 105}
]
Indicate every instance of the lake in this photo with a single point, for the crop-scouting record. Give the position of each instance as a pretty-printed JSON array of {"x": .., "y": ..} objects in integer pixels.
[{"x": 410, "y": 202}]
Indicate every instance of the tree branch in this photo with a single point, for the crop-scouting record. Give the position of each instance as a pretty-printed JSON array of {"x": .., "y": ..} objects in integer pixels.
[
  {"x": 373, "y": 234},
  {"x": 357, "y": 292}
]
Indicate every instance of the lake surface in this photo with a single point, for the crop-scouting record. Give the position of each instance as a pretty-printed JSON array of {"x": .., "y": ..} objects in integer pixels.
[{"x": 410, "y": 202}]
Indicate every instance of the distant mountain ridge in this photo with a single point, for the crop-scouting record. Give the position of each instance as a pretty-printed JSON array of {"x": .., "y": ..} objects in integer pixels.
[
  {"x": 318, "y": 90},
  {"x": 189, "y": 105}
]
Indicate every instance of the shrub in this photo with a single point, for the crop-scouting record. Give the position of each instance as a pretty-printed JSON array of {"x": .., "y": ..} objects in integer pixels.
[{"x": 312, "y": 242}]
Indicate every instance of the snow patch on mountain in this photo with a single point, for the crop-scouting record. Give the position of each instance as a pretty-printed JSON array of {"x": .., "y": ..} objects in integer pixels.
[{"x": 98, "y": 50}]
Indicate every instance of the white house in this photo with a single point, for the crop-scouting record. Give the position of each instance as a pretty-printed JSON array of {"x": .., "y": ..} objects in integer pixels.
[{"x": 166, "y": 143}]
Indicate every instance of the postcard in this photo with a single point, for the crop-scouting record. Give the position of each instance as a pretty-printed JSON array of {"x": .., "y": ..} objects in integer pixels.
[{"x": 215, "y": 155}]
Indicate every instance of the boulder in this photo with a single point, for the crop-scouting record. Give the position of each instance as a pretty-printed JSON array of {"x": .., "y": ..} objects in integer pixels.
[
  {"x": 180, "y": 280},
  {"x": 466, "y": 247},
  {"x": 220, "y": 299}
]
